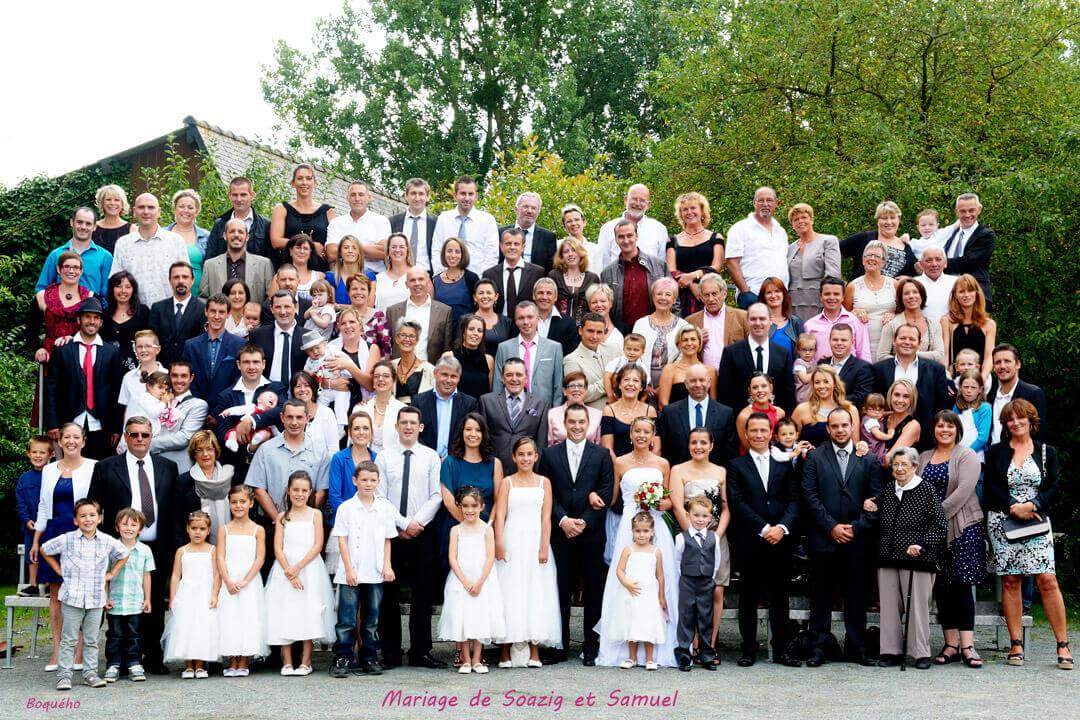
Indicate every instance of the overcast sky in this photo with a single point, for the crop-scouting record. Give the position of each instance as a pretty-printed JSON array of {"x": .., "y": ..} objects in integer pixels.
[{"x": 83, "y": 80}]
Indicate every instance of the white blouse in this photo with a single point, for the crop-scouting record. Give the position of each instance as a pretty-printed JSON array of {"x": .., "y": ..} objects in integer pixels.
[{"x": 50, "y": 475}]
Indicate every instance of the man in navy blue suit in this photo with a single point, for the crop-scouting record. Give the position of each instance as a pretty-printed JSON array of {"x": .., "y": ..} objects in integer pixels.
[
  {"x": 213, "y": 354},
  {"x": 443, "y": 409}
]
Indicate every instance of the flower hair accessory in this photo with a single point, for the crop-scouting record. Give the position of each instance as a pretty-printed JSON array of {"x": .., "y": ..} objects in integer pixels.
[{"x": 649, "y": 494}]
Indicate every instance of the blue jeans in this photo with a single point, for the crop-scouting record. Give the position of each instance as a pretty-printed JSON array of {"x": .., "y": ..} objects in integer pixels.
[
  {"x": 352, "y": 600},
  {"x": 745, "y": 299}
]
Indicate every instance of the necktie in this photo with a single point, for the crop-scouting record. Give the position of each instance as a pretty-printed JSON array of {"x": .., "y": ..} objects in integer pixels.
[
  {"x": 842, "y": 458},
  {"x": 511, "y": 292},
  {"x": 763, "y": 470},
  {"x": 958, "y": 246},
  {"x": 526, "y": 252},
  {"x": 760, "y": 364},
  {"x": 404, "y": 505},
  {"x": 414, "y": 236},
  {"x": 699, "y": 420},
  {"x": 515, "y": 408},
  {"x": 215, "y": 345},
  {"x": 283, "y": 359},
  {"x": 461, "y": 227},
  {"x": 146, "y": 497},
  {"x": 179, "y": 314},
  {"x": 700, "y": 537},
  {"x": 527, "y": 357},
  {"x": 575, "y": 460},
  {"x": 88, "y": 371}
]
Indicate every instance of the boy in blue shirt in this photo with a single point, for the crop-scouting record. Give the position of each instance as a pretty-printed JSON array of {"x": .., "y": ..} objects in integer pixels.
[{"x": 27, "y": 497}]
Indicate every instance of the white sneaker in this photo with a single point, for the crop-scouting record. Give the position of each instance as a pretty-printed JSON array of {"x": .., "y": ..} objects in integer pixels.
[
  {"x": 188, "y": 674},
  {"x": 241, "y": 672},
  {"x": 228, "y": 672},
  {"x": 287, "y": 670},
  {"x": 112, "y": 673},
  {"x": 201, "y": 674}
]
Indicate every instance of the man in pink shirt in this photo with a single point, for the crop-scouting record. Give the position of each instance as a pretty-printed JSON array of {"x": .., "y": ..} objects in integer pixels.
[{"x": 832, "y": 296}]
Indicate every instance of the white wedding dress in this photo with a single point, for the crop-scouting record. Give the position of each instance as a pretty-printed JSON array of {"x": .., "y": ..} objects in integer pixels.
[{"x": 612, "y": 651}]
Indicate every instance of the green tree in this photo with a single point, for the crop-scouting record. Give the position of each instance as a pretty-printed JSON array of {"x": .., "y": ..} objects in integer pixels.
[{"x": 459, "y": 82}]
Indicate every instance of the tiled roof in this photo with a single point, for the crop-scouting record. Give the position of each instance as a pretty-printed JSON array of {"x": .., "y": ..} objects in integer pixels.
[{"x": 232, "y": 154}]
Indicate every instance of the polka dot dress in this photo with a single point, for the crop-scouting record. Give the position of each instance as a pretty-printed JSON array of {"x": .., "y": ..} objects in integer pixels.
[{"x": 965, "y": 557}]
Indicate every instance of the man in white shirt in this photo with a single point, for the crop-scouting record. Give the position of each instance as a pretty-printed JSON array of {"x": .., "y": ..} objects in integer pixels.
[
  {"x": 969, "y": 245},
  {"x": 757, "y": 249},
  {"x": 367, "y": 226},
  {"x": 282, "y": 340},
  {"x": 409, "y": 475},
  {"x": 416, "y": 223},
  {"x": 652, "y": 236},
  {"x": 1009, "y": 387},
  {"x": 938, "y": 284},
  {"x": 147, "y": 251},
  {"x": 475, "y": 228},
  {"x": 514, "y": 278}
]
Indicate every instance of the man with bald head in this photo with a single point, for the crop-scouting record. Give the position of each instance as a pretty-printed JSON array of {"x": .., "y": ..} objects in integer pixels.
[
  {"x": 652, "y": 236},
  {"x": 698, "y": 410},
  {"x": 757, "y": 248},
  {"x": 937, "y": 282},
  {"x": 756, "y": 354},
  {"x": 237, "y": 263},
  {"x": 147, "y": 251},
  {"x": 434, "y": 317}
]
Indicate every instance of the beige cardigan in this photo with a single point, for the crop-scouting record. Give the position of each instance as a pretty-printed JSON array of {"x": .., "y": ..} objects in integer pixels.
[{"x": 961, "y": 504}]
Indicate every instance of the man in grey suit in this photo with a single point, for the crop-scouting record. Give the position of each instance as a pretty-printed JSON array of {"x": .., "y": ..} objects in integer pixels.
[
  {"x": 190, "y": 414},
  {"x": 589, "y": 359},
  {"x": 255, "y": 270},
  {"x": 433, "y": 316},
  {"x": 543, "y": 358},
  {"x": 512, "y": 412}
]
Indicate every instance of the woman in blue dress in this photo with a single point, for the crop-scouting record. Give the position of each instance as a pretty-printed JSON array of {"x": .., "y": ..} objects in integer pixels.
[
  {"x": 62, "y": 483},
  {"x": 470, "y": 461},
  {"x": 454, "y": 285}
]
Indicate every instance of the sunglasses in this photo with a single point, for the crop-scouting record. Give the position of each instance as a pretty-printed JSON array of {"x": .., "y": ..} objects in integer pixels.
[{"x": 138, "y": 435}]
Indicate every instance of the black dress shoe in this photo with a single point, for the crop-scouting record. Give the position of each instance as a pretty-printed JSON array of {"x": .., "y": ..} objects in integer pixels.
[
  {"x": 589, "y": 661},
  {"x": 157, "y": 669},
  {"x": 709, "y": 666},
  {"x": 815, "y": 661},
  {"x": 427, "y": 661},
  {"x": 746, "y": 661},
  {"x": 552, "y": 657},
  {"x": 889, "y": 661},
  {"x": 923, "y": 663},
  {"x": 866, "y": 661},
  {"x": 684, "y": 667},
  {"x": 787, "y": 660},
  {"x": 391, "y": 661}
]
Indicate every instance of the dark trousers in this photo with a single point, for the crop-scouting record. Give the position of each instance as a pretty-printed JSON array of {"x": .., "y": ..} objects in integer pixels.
[
  {"x": 123, "y": 640},
  {"x": 358, "y": 609},
  {"x": 838, "y": 573},
  {"x": 695, "y": 615},
  {"x": 955, "y": 604},
  {"x": 764, "y": 573},
  {"x": 153, "y": 622},
  {"x": 416, "y": 564},
  {"x": 580, "y": 561}
]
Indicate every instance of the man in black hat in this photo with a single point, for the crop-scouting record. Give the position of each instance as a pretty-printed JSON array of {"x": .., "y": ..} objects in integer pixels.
[{"x": 83, "y": 383}]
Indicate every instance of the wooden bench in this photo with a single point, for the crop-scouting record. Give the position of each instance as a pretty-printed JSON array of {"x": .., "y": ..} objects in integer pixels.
[{"x": 11, "y": 602}]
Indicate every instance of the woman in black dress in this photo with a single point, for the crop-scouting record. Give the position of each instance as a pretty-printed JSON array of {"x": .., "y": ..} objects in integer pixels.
[
  {"x": 124, "y": 317},
  {"x": 496, "y": 327},
  {"x": 112, "y": 203},
  {"x": 477, "y": 366},
  {"x": 967, "y": 325},
  {"x": 302, "y": 215},
  {"x": 572, "y": 279},
  {"x": 412, "y": 375},
  {"x": 694, "y": 252}
]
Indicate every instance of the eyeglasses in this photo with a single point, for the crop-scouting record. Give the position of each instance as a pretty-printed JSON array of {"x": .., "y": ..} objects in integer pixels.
[
  {"x": 873, "y": 257},
  {"x": 138, "y": 435},
  {"x": 576, "y": 386}
]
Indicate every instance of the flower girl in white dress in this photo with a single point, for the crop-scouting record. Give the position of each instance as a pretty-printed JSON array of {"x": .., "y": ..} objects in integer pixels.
[
  {"x": 241, "y": 602},
  {"x": 192, "y": 632},
  {"x": 640, "y": 614},
  {"x": 530, "y": 591}
]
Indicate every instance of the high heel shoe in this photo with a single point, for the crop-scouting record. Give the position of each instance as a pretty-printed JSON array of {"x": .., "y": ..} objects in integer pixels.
[
  {"x": 1064, "y": 663},
  {"x": 1016, "y": 659}
]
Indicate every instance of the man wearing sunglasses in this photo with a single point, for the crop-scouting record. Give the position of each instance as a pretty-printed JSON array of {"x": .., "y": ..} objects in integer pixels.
[{"x": 151, "y": 485}]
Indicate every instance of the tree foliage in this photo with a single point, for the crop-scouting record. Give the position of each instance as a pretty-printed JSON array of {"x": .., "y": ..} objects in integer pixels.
[{"x": 459, "y": 81}]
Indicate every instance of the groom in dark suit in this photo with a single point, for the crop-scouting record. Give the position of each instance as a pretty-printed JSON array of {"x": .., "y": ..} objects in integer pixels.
[
  {"x": 151, "y": 485},
  {"x": 679, "y": 418},
  {"x": 835, "y": 484},
  {"x": 582, "y": 481}
]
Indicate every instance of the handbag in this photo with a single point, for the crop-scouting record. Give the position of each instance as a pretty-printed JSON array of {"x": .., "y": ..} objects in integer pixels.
[{"x": 1017, "y": 531}]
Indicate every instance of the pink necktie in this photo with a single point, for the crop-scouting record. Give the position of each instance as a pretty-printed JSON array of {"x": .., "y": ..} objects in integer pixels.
[{"x": 528, "y": 363}]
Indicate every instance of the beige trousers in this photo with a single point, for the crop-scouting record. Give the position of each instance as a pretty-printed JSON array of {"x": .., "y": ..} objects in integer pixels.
[{"x": 893, "y": 587}]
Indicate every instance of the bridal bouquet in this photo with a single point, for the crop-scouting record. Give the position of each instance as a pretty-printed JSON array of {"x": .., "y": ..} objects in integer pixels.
[{"x": 649, "y": 494}]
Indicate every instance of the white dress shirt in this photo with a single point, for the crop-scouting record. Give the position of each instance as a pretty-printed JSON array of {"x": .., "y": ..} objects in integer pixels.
[
  {"x": 85, "y": 418},
  {"x": 937, "y": 295},
  {"x": 532, "y": 353},
  {"x": 762, "y": 253},
  {"x": 692, "y": 410},
  {"x": 481, "y": 237},
  {"x": 573, "y": 448},
  {"x": 149, "y": 533},
  {"x": 370, "y": 228},
  {"x": 421, "y": 254},
  {"x": 956, "y": 249},
  {"x": 420, "y": 314},
  {"x": 911, "y": 372},
  {"x": 526, "y": 256},
  {"x": 543, "y": 325},
  {"x": 425, "y": 494},
  {"x": 1000, "y": 401},
  {"x": 275, "y": 362},
  {"x": 754, "y": 345},
  {"x": 249, "y": 394},
  {"x": 652, "y": 239},
  {"x": 366, "y": 529}
]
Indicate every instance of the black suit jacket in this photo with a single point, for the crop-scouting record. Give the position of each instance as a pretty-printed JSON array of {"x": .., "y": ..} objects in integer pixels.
[
  {"x": 258, "y": 239},
  {"x": 526, "y": 278},
  {"x": 737, "y": 365},
  {"x": 932, "y": 389},
  {"x": 564, "y": 331},
  {"x": 543, "y": 246},
  {"x": 570, "y": 495},
  {"x": 65, "y": 387},
  {"x": 858, "y": 377},
  {"x": 830, "y": 499},
  {"x": 675, "y": 432},
  {"x": 1025, "y": 391},
  {"x": 998, "y": 496},
  {"x": 264, "y": 338},
  {"x": 462, "y": 405},
  {"x": 853, "y": 245},
  {"x": 752, "y": 507},
  {"x": 976, "y": 258},
  {"x": 172, "y": 336},
  {"x": 397, "y": 224},
  {"x": 111, "y": 486},
  {"x": 231, "y": 398}
]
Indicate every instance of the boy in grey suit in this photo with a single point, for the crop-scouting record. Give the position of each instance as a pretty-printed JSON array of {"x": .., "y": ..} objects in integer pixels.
[{"x": 697, "y": 556}]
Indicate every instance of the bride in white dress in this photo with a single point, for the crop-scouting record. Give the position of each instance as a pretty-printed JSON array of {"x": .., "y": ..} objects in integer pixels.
[{"x": 633, "y": 469}]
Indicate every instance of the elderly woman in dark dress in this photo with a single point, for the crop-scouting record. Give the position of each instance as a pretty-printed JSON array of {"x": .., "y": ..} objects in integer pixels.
[{"x": 899, "y": 257}]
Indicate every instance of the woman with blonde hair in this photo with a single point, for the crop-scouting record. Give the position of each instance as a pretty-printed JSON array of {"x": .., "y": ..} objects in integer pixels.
[
  {"x": 967, "y": 325},
  {"x": 187, "y": 204},
  {"x": 390, "y": 287},
  {"x": 812, "y": 257},
  {"x": 691, "y": 349},
  {"x": 694, "y": 252},
  {"x": 112, "y": 203},
  {"x": 572, "y": 278},
  {"x": 899, "y": 258},
  {"x": 349, "y": 262},
  {"x": 826, "y": 394}
]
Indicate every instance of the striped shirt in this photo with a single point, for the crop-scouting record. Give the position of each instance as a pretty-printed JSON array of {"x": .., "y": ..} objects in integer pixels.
[
  {"x": 83, "y": 564},
  {"x": 126, "y": 589}
]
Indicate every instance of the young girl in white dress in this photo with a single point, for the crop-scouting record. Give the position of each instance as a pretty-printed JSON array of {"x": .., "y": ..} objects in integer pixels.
[
  {"x": 530, "y": 592},
  {"x": 241, "y": 600},
  {"x": 191, "y": 634},
  {"x": 638, "y": 466},
  {"x": 299, "y": 597},
  {"x": 472, "y": 605},
  {"x": 640, "y": 614}
]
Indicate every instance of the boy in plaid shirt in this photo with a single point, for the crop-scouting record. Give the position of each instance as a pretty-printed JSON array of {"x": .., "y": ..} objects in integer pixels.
[
  {"x": 129, "y": 598},
  {"x": 85, "y": 555}
]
